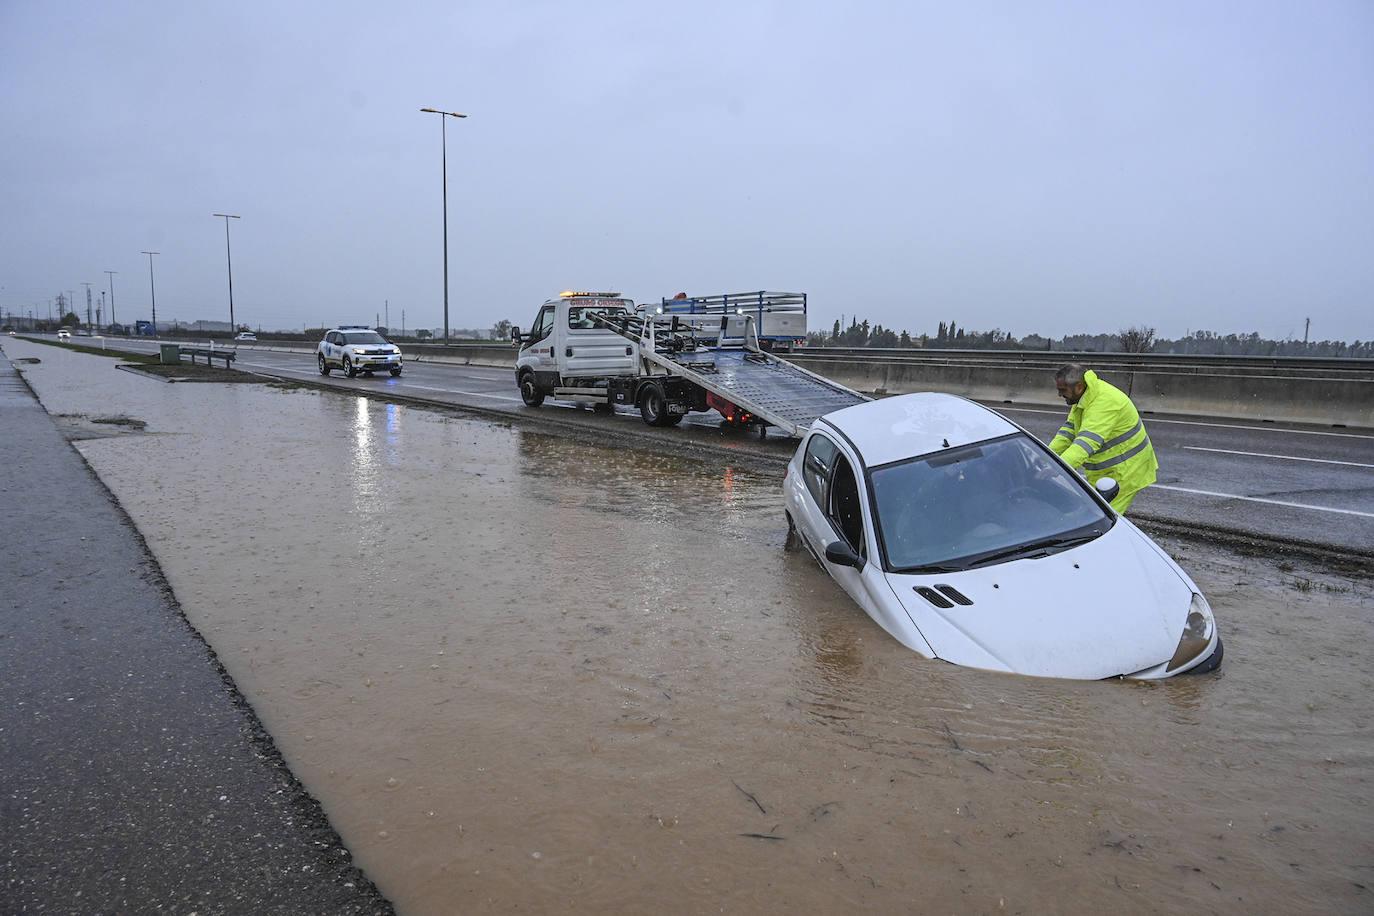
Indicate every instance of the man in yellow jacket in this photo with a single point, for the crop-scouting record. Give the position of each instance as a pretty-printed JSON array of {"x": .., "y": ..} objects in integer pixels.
[{"x": 1103, "y": 435}]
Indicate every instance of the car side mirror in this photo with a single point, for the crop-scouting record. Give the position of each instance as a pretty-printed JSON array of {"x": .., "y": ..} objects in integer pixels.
[
  {"x": 841, "y": 554},
  {"x": 1108, "y": 488}
]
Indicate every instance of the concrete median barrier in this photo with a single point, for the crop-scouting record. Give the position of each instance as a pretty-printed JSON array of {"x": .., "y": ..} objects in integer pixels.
[
  {"x": 500, "y": 356},
  {"x": 1255, "y": 394}
]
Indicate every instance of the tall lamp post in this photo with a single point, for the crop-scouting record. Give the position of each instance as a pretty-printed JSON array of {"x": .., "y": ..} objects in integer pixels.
[
  {"x": 152, "y": 289},
  {"x": 229, "y": 258},
  {"x": 111, "y": 274},
  {"x": 443, "y": 134}
]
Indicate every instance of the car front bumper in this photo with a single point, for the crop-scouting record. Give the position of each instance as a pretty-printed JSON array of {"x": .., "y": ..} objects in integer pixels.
[{"x": 376, "y": 362}]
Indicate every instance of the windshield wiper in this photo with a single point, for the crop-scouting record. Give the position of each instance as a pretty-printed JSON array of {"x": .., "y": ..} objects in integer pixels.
[
  {"x": 933, "y": 568},
  {"x": 1048, "y": 546}
]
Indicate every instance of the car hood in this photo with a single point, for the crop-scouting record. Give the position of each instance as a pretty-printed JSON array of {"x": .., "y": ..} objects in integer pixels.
[{"x": 1110, "y": 607}]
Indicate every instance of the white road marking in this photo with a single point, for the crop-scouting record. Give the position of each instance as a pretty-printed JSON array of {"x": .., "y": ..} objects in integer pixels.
[
  {"x": 1258, "y": 499},
  {"x": 283, "y": 368},
  {"x": 1227, "y": 451},
  {"x": 475, "y": 394},
  {"x": 1263, "y": 429}
]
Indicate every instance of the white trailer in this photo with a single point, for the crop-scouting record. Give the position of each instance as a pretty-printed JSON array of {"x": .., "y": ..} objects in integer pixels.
[{"x": 598, "y": 348}]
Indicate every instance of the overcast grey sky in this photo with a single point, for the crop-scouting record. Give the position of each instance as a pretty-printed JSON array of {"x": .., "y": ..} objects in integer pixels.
[{"x": 1039, "y": 167}]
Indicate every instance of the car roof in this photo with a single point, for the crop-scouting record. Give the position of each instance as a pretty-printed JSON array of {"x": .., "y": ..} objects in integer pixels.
[{"x": 890, "y": 429}]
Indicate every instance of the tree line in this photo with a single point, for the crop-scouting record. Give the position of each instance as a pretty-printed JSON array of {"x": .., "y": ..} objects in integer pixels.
[{"x": 950, "y": 336}]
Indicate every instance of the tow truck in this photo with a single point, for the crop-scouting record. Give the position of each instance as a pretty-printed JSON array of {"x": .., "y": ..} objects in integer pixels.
[{"x": 599, "y": 348}]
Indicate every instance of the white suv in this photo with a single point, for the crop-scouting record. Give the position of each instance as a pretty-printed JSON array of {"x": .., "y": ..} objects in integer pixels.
[{"x": 357, "y": 348}]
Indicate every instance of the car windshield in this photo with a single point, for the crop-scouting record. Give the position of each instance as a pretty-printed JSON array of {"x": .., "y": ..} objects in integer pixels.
[
  {"x": 363, "y": 337},
  {"x": 980, "y": 504}
]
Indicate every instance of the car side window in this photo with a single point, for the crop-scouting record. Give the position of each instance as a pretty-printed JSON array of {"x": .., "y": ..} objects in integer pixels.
[
  {"x": 332, "y": 337},
  {"x": 816, "y": 467},
  {"x": 846, "y": 509}
]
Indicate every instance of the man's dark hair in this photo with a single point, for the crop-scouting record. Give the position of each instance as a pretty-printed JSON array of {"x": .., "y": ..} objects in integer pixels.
[{"x": 1069, "y": 374}]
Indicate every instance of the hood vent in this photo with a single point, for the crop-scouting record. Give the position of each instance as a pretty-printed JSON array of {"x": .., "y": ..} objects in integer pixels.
[
  {"x": 945, "y": 598},
  {"x": 934, "y": 597},
  {"x": 953, "y": 594}
]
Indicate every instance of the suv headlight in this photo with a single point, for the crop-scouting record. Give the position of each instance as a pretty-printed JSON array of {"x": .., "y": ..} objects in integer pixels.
[{"x": 1197, "y": 633}]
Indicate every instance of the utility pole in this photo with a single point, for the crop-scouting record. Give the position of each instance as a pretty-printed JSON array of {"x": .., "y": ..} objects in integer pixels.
[
  {"x": 99, "y": 309},
  {"x": 88, "y": 305},
  {"x": 443, "y": 134},
  {"x": 386, "y": 304},
  {"x": 229, "y": 259},
  {"x": 71, "y": 305},
  {"x": 111, "y": 274},
  {"x": 152, "y": 289},
  {"x": 1307, "y": 326},
  {"x": 403, "y": 322}
]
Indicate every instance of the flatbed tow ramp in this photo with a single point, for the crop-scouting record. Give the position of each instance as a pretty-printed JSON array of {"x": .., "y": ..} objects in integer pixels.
[{"x": 737, "y": 377}]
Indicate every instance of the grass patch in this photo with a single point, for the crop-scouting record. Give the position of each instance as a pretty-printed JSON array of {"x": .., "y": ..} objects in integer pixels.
[{"x": 193, "y": 372}]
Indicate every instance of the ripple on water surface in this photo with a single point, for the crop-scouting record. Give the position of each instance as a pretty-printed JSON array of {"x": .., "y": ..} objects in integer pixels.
[{"x": 522, "y": 671}]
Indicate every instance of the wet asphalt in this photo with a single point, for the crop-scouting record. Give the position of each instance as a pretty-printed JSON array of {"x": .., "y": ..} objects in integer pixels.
[{"x": 135, "y": 776}]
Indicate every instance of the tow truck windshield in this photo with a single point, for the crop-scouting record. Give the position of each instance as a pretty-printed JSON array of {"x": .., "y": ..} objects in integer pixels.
[{"x": 980, "y": 504}]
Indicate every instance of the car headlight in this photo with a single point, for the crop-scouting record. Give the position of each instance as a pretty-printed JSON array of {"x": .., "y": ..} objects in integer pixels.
[{"x": 1197, "y": 633}]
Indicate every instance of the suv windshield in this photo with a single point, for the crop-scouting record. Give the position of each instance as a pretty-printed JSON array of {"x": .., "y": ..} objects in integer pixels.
[
  {"x": 979, "y": 504},
  {"x": 363, "y": 337}
]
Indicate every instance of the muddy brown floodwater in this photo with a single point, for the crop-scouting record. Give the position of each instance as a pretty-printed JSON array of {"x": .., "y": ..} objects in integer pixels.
[{"x": 523, "y": 672}]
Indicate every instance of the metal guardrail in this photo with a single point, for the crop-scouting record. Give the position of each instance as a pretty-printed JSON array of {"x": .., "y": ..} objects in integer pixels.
[{"x": 1040, "y": 358}]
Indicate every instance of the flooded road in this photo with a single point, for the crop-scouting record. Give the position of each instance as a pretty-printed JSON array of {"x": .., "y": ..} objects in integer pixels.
[{"x": 526, "y": 672}]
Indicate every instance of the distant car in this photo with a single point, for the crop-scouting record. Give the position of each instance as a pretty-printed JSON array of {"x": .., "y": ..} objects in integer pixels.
[
  {"x": 12, "y": 334},
  {"x": 63, "y": 334},
  {"x": 970, "y": 541},
  {"x": 354, "y": 349},
  {"x": 248, "y": 336}
]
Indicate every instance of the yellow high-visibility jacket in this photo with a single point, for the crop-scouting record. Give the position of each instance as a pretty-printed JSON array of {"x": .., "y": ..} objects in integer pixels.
[{"x": 1105, "y": 437}]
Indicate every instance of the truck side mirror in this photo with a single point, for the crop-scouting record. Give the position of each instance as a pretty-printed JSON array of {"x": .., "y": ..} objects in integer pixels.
[{"x": 515, "y": 335}]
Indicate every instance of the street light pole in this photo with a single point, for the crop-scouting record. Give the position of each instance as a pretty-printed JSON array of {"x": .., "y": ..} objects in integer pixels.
[
  {"x": 443, "y": 139},
  {"x": 152, "y": 289},
  {"x": 233, "y": 328},
  {"x": 111, "y": 274},
  {"x": 88, "y": 305}
]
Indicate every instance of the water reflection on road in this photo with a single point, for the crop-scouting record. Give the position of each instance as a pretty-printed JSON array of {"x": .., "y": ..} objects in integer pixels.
[{"x": 522, "y": 671}]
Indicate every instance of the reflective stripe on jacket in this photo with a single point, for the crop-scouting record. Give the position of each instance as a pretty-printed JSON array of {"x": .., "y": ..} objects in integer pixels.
[{"x": 1104, "y": 437}]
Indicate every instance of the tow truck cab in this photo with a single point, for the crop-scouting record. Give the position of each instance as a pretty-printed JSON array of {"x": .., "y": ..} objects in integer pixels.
[{"x": 564, "y": 349}]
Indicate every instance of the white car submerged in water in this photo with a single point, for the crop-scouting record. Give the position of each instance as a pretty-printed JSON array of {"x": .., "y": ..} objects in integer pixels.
[{"x": 970, "y": 541}]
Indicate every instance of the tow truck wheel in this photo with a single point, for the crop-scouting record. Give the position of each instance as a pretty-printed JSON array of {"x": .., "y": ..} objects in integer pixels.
[
  {"x": 348, "y": 368},
  {"x": 653, "y": 407},
  {"x": 529, "y": 391},
  {"x": 324, "y": 366}
]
